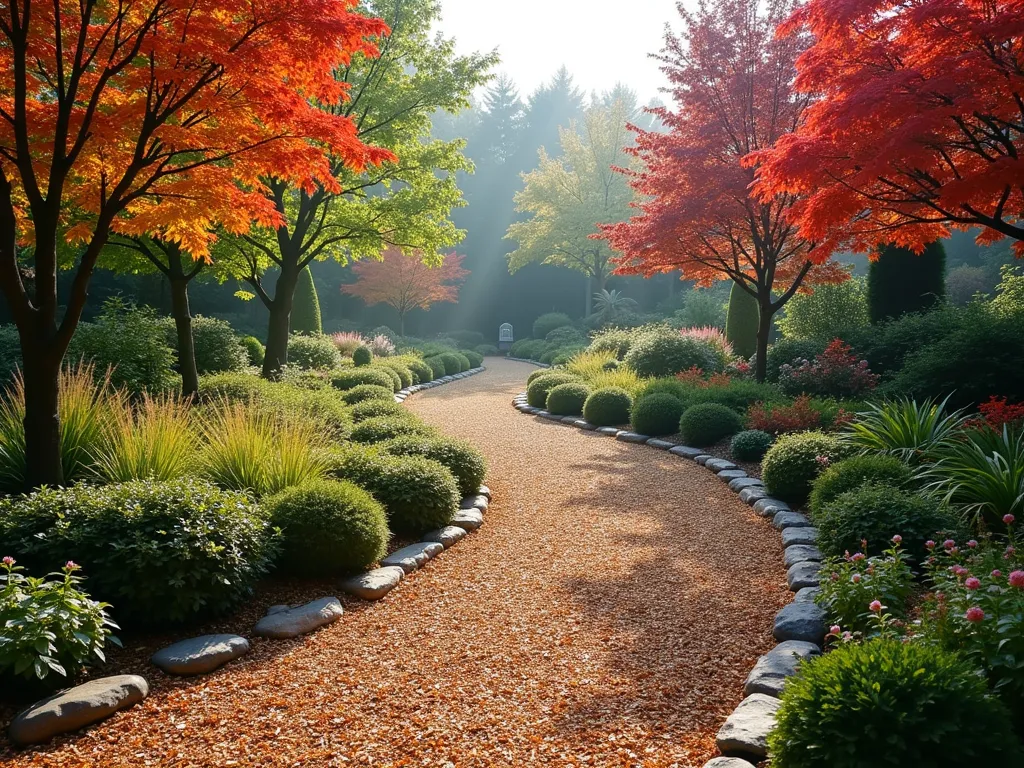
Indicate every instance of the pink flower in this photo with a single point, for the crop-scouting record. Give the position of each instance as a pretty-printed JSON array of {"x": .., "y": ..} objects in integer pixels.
[
  {"x": 959, "y": 570},
  {"x": 835, "y": 576},
  {"x": 972, "y": 583},
  {"x": 822, "y": 460},
  {"x": 930, "y": 544},
  {"x": 9, "y": 561},
  {"x": 855, "y": 578},
  {"x": 835, "y": 629},
  {"x": 897, "y": 539},
  {"x": 1008, "y": 519},
  {"x": 972, "y": 544},
  {"x": 71, "y": 565},
  {"x": 857, "y": 557},
  {"x": 1010, "y": 551},
  {"x": 974, "y": 613},
  {"x": 1017, "y": 579},
  {"x": 875, "y": 606},
  {"x": 996, "y": 574},
  {"x": 949, "y": 543}
]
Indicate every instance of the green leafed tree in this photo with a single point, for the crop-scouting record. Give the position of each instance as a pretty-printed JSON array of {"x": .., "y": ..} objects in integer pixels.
[{"x": 406, "y": 203}]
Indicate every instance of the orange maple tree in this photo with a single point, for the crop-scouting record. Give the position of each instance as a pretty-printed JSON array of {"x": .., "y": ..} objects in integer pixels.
[
  {"x": 155, "y": 117},
  {"x": 919, "y": 126},
  {"x": 405, "y": 283},
  {"x": 731, "y": 81}
]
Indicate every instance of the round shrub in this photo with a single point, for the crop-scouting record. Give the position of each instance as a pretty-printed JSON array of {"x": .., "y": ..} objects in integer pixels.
[
  {"x": 328, "y": 528},
  {"x": 372, "y": 409},
  {"x": 875, "y": 513},
  {"x": 418, "y": 494},
  {"x": 323, "y": 406},
  {"x": 545, "y": 324},
  {"x": 395, "y": 379},
  {"x": 233, "y": 387},
  {"x": 669, "y": 386},
  {"x": 382, "y": 428},
  {"x": 362, "y": 355},
  {"x": 487, "y": 350},
  {"x": 889, "y": 703},
  {"x": 750, "y": 445},
  {"x": 160, "y": 552},
  {"x": 312, "y": 352},
  {"x": 368, "y": 392},
  {"x": 461, "y": 458},
  {"x": 608, "y": 407},
  {"x": 667, "y": 355},
  {"x": 464, "y": 364},
  {"x": 475, "y": 358},
  {"x": 437, "y": 369},
  {"x": 216, "y": 346},
  {"x": 254, "y": 349},
  {"x": 786, "y": 351},
  {"x": 537, "y": 391},
  {"x": 353, "y": 377},
  {"x": 796, "y": 459},
  {"x": 453, "y": 363},
  {"x": 534, "y": 375},
  {"x": 850, "y": 474},
  {"x": 422, "y": 373},
  {"x": 656, "y": 414},
  {"x": 402, "y": 373},
  {"x": 706, "y": 423},
  {"x": 568, "y": 399}
]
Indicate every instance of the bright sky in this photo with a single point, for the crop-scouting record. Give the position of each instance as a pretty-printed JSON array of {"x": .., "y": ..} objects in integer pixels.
[{"x": 600, "y": 41}]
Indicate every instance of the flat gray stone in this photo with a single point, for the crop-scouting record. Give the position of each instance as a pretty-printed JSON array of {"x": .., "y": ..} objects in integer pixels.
[
  {"x": 483, "y": 490},
  {"x": 470, "y": 519},
  {"x": 770, "y": 507},
  {"x": 753, "y": 493},
  {"x": 657, "y": 442},
  {"x": 413, "y": 556},
  {"x": 806, "y": 595},
  {"x": 478, "y": 501},
  {"x": 200, "y": 655},
  {"x": 632, "y": 437},
  {"x": 447, "y": 536},
  {"x": 549, "y": 416},
  {"x": 730, "y": 475},
  {"x": 277, "y": 608},
  {"x": 739, "y": 483},
  {"x": 570, "y": 420},
  {"x": 373, "y": 585},
  {"x": 613, "y": 431},
  {"x": 584, "y": 424},
  {"x": 792, "y": 537},
  {"x": 686, "y": 451},
  {"x": 801, "y": 553},
  {"x": 745, "y": 731},
  {"x": 803, "y": 574},
  {"x": 717, "y": 465},
  {"x": 786, "y": 519},
  {"x": 76, "y": 708},
  {"x": 703, "y": 459},
  {"x": 800, "y": 621},
  {"x": 771, "y": 670},
  {"x": 300, "y": 620},
  {"x": 727, "y": 762}
]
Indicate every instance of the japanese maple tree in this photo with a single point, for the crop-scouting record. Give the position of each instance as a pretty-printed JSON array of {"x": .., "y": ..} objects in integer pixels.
[
  {"x": 155, "y": 117},
  {"x": 918, "y": 126},
  {"x": 731, "y": 81},
  {"x": 405, "y": 282}
]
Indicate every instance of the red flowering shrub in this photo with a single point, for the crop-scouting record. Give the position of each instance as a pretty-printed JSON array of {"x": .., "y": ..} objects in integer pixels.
[
  {"x": 836, "y": 372},
  {"x": 997, "y": 413},
  {"x": 802, "y": 415}
]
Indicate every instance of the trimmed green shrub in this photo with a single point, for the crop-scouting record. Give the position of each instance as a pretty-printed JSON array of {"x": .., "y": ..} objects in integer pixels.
[
  {"x": 160, "y": 552},
  {"x": 875, "y": 513},
  {"x": 567, "y": 336},
  {"x": 796, "y": 459},
  {"x": 608, "y": 407},
  {"x": 233, "y": 387},
  {"x": 669, "y": 385},
  {"x": 567, "y": 399},
  {"x": 437, "y": 368},
  {"x": 403, "y": 373},
  {"x": 475, "y": 358},
  {"x": 706, "y": 423},
  {"x": 383, "y": 428},
  {"x": 254, "y": 349},
  {"x": 348, "y": 378},
  {"x": 656, "y": 414},
  {"x": 742, "y": 322},
  {"x": 616, "y": 341},
  {"x": 785, "y": 351},
  {"x": 453, "y": 363},
  {"x": 850, "y": 474},
  {"x": 418, "y": 494},
  {"x": 362, "y": 355},
  {"x": 750, "y": 445},
  {"x": 738, "y": 394},
  {"x": 563, "y": 355},
  {"x": 421, "y": 372},
  {"x": 545, "y": 324},
  {"x": 328, "y": 527},
  {"x": 663, "y": 354},
  {"x": 216, "y": 346},
  {"x": 537, "y": 391},
  {"x": 534, "y": 375},
  {"x": 364, "y": 392},
  {"x": 396, "y": 380},
  {"x": 487, "y": 350},
  {"x": 461, "y": 458},
  {"x": 464, "y": 364},
  {"x": 372, "y": 409},
  {"x": 312, "y": 352},
  {"x": 890, "y": 703},
  {"x": 306, "y": 306},
  {"x": 322, "y": 406},
  {"x": 900, "y": 281},
  {"x": 829, "y": 312},
  {"x": 432, "y": 348}
]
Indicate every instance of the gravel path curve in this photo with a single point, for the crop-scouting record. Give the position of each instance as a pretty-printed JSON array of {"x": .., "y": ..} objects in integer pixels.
[{"x": 605, "y": 615}]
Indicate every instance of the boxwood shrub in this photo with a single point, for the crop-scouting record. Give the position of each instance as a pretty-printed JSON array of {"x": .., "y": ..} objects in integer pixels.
[
  {"x": 385, "y": 427},
  {"x": 668, "y": 354},
  {"x": 367, "y": 392},
  {"x": 437, "y": 367},
  {"x": 706, "y": 423},
  {"x": 464, "y": 363},
  {"x": 216, "y": 346},
  {"x": 460, "y": 457},
  {"x": 254, "y": 349},
  {"x": 453, "y": 363},
  {"x": 233, "y": 387},
  {"x": 362, "y": 355},
  {"x": 372, "y": 409},
  {"x": 537, "y": 391},
  {"x": 656, "y": 414},
  {"x": 792, "y": 464},
  {"x": 850, "y": 474},
  {"x": 534, "y": 375},
  {"x": 475, "y": 358},
  {"x": 396, "y": 380},
  {"x": 422, "y": 373},
  {"x": 750, "y": 445},
  {"x": 347, "y": 378},
  {"x": 312, "y": 352},
  {"x": 608, "y": 407},
  {"x": 568, "y": 399}
]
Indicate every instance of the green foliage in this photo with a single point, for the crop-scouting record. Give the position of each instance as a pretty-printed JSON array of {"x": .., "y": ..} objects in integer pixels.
[
  {"x": 254, "y": 349},
  {"x": 534, "y": 375},
  {"x": 608, "y": 407},
  {"x": 785, "y": 351},
  {"x": 383, "y": 428},
  {"x": 665, "y": 354},
  {"x": 233, "y": 387},
  {"x": 875, "y": 513},
  {"x": 362, "y": 356},
  {"x": 965, "y": 282},
  {"x": 1009, "y": 300},
  {"x": 792, "y": 464},
  {"x": 433, "y": 348},
  {"x": 889, "y": 703},
  {"x": 900, "y": 281},
  {"x": 396, "y": 380},
  {"x": 453, "y": 363},
  {"x": 910, "y": 430},
  {"x": 347, "y": 378},
  {"x": 217, "y": 348},
  {"x": 422, "y": 373},
  {"x": 10, "y": 352},
  {"x": 537, "y": 391},
  {"x": 738, "y": 394},
  {"x": 312, "y": 352},
  {"x": 306, "y": 306},
  {"x": 854, "y": 581},
  {"x": 850, "y": 474},
  {"x": 668, "y": 385},
  {"x": 437, "y": 367},
  {"x": 154, "y": 439},
  {"x": 750, "y": 445},
  {"x": 372, "y": 409},
  {"x": 703, "y": 307},
  {"x": 464, "y": 364},
  {"x": 160, "y": 552},
  {"x": 830, "y": 312},
  {"x": 487, "y": 350},
  {"x": 461, "y": 458},
  {"x": 566, "y": 336},
  {"x": 363, "y": 392},
  {"x": 475, "y": 358},
  {"x": 742, "y": 322},
  {"x": 656, "y": 414},
  {"x": 567, "y": 399},
  {"x": 616, "y": 341},
  {"x": 545, "y": 324},
  {"x": 51, "y": 626},
  {"x": 328, "y": 528},
  {"x": 466, "y": 339},
  {"x": 705, "y": 424}
]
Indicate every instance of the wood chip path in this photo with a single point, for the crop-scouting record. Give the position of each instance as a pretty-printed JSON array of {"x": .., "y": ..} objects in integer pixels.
[{"x": 605, "y": 615}]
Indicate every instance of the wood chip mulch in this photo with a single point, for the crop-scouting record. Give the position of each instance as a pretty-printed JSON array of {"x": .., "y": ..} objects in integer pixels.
[{"x": 605, "y": 615}]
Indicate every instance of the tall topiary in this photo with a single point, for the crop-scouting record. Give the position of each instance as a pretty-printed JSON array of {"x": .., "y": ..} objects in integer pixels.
[
  {"x": 742, "y": 321},
  {"x": 900, "y": 281},
  {"x": 306, "y": 305}
]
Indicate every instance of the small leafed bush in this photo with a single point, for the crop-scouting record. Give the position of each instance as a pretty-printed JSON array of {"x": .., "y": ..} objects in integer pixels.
[
  {"x": 534, "y": 375},
  {"x": 888, "y": 703},
  {"x": 352, "y": 377},
  {"x": 850, "y": 474},
  {"x": 737, "y": 394},
  {"x": 475, "y": 358},
  {"x": 656, "y": 414},
  {"x": 233, "y": 387},
  {"x": 545, "y": 324},
  {"x": 385, "y": 427},
  {"x": 750, "y": 445},
  {"x": 706, "y": 423},
  {"x": 372, "y": 409},
  {"x": 365, "y": 392},
  {"x": 568, "y": 399},
  {"x": 453, "y": 363},
  {"x": 420, "y": 370},
  {"x": 402, "y": 371},
  {"x": 667, "y": 355},
  {"x": 362, "y": 356},
  {"x": 254, "y": 349},
  {"x": 312, "y": 352},
  {"x": 217, "y": 348},
  {"x": 328, "y": 528},
  {"x": 851, "y": 584},
  {"x": 486, "y": 350},
  {"x": 396, "y": 380},
  {"x": 608, "y": 407},
  {"x": 836, "y": 372},
  {"x": 788, "y": 351},
  {"x": 437, "y": 368},
  {"x": 792, "y": 464},
  {"x": 537, "y": 391},
  {"x": 461, "y": 458}
]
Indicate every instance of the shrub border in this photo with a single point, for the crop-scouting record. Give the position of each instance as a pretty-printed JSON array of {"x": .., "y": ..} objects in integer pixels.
[{"x": 402, "y": 394}]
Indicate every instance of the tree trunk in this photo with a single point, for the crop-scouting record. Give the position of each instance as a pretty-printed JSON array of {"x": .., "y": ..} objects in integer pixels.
[
  {"x": 41, "y": 370},
  {"x": 186, "y": 344},
  {"x": 401, "y": 324},
  {"x": 764, "y": 330},
  {"x": 280, "y": 321},
  {"x": 589, "y": 287}
]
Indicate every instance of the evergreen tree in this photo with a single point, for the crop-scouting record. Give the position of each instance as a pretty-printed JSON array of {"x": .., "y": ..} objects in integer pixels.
[
  {"x": 900, "y": 281},
  {"x": 306, "y": 309},
  {"x": 742, "y": 321}
]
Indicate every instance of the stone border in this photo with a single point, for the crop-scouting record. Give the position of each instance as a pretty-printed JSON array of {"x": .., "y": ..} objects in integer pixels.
[
  {"x": 799, "y": 627},
  {"x": 402, "y": 394}
]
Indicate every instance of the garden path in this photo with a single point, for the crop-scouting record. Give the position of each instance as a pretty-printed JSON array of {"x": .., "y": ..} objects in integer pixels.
[{"x": 605, "y": 615}]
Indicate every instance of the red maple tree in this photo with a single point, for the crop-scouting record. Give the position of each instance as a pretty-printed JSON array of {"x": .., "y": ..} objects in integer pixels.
[
  {"x": 732, "y": 86},
  {"x": 404, "y": 282},
  {"x": 155, "y": 117},
  {"x": 919, "y": 126}
]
